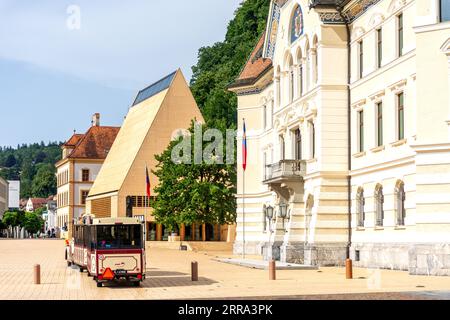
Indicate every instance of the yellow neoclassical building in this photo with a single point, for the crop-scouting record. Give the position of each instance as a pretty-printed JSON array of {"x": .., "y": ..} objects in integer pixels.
[{"x": 347, "y": 112}]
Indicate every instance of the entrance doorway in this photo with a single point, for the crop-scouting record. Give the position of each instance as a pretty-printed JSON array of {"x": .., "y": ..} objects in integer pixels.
[{"x": 151, "y": 231}]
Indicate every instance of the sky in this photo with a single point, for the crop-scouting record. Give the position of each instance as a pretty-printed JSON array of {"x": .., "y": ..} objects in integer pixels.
[{"x": 62, "y": 61}]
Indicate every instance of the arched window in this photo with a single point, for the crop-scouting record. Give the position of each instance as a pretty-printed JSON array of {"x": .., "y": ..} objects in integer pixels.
[
  {"x": 307, "y": 66},
  {"x": 300, "y": 72},
  {"x": 291, "y": 79},
  {"x": 360, "y": 201},
  {"x": 315, "y": 60},
  {"x": 400, "y": 203},
  {"x": 379, "y": 203},
  {"x": 296, "y": 24}
]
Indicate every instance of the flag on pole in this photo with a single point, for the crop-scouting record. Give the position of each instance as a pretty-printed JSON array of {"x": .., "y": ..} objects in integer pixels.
[
  {"x": 147, "y": 181},
  {"x": 244, "y": 147}
]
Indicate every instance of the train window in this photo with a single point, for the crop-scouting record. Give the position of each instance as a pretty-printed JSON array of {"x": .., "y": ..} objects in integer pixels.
[{"x": 119, "y": 236}]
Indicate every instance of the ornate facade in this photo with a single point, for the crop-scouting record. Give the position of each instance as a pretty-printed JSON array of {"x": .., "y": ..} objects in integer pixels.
[{"x": 347, "y": 115}]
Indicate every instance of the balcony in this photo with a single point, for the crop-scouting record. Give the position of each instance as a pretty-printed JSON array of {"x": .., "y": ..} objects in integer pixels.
[{"x": 284, "y": 171}]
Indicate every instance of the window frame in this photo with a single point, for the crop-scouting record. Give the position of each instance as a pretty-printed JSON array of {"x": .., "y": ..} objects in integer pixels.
[
  {"x": 400, "y": 197},
  {"x": 360, "y": 212},
  {"x": 379, "y": 123},
  {"x": 379, "y": 207},
  {"x": 379, "y": 34},
  {"x": 83, "y": 171},
  {"x": 400, "y": 34},
  {"x": 360, "y": 119},
  {"x": 81, "y": 196},
  {"x": 400, "y": 115},
  {"x": 360, "y": 59}
]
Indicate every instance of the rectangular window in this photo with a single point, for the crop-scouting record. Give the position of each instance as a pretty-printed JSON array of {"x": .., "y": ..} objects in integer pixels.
[
  {"x": 400, "y": 34},
  {"x": 379, "y": 47},
  {"x": 401, "y": 116},
  {"x": 361, "y": 59},
  {"x": 85, "y": 175},
  {"x": 445, "y": 10},
  {"x": 379, "y": 124},
  {"x": 312, "y": 139},
  {"x": 298, "y": 145},
  {"x": 84, "y": 195},
  {"x": 361, "y": 131}
]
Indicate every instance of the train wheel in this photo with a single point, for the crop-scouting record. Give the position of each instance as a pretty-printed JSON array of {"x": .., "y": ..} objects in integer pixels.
[
  {"x": 81, "y": 270},
  {"x": 69, "y": 263},
  {"x": 99, "y": 284},
  {"x": 136, "y": 283}
]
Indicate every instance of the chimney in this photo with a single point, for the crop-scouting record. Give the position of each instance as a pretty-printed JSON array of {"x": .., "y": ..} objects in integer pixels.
[{"x": 96, "y": 120}]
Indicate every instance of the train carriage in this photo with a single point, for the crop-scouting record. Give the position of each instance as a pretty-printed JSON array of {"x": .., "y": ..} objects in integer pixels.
[{"x": 109, "y": 249}]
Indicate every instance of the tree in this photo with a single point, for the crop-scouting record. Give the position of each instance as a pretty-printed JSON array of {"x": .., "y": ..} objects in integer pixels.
[
  {"x": 194, "y": 193},
  {"x": 44, "y": 183},
  {"x": 3, "y": 225},
  {"x": 220, "y": 64},
  {"x": 14, "y": 218},
  {"x": 33, "y": 222},
  {"x": 10, "y": 161}
]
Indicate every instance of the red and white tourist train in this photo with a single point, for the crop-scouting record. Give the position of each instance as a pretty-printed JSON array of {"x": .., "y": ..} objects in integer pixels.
[{"x": 109, "y": 249}]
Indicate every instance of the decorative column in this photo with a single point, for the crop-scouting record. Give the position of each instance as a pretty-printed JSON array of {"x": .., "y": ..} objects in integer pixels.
[{"x": 313, "y": 68}]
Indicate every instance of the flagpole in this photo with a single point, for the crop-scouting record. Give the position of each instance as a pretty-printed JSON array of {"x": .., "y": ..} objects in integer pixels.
[
  {"x": 243, "y": 214},
  {"x": 243, "y": 188}
]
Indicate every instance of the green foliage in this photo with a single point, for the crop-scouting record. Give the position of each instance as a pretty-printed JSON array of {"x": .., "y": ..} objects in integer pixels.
[
  {"x": 220, "y": 64},
  {"x": 40, "y": 211},
  {"x": 193, "y": 193},
  {"x": 44, "y": 182},
  {"x": 14, "y": 218},
  {"x": 22, "y": 163},
  {"x": 3, "y": 225},
  {"x": 33, "y": 222}
]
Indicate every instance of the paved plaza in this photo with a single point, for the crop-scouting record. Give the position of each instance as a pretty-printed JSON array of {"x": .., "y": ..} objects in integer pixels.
[{"x": 168, "y": 277}]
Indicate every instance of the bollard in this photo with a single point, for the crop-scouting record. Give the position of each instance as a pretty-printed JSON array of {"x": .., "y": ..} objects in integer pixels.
[
  {"x": 37, "y": 274},
  {"x": 194, "y": 271},
  {"x": 348, "y": 269},
  {"x": 272, "y": 270}
]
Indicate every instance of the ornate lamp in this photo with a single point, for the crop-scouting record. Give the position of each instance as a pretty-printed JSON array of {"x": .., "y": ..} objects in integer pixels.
[
  {"x": 282, "y": 213},
  {"x": 269, "y": 212}
]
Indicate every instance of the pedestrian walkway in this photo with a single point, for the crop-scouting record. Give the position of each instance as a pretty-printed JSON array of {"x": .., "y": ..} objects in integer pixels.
[
  {"x": 168, "y": 277},
  {"x": 264, "y": 265}
]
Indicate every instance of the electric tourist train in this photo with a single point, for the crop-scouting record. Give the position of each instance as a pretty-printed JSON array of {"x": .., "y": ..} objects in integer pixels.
[{"x": 110, "y": 249}]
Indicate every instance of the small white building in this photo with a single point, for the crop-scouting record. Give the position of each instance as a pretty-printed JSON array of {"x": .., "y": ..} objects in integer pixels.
[{"x": 14, "y": 194}]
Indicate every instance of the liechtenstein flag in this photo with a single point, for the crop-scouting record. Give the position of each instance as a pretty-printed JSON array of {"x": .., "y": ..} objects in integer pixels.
[
  {"x": 147, "y": 181},
  {"x": 244, "y": 147}
]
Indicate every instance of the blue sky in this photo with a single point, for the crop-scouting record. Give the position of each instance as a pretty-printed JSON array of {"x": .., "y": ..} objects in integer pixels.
[{"x": 54, "y": 75}]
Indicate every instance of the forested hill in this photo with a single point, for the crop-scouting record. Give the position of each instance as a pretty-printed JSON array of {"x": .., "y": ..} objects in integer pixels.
[
  {"x": 220, "y": 64},
  {"x": 34, "y": 165}
]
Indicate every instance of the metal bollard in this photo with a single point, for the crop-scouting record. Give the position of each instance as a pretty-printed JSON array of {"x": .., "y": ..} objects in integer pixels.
[
  {"x": 37, "y": 274},
  {"x": 194, "y": 271},
  {"x": 348, "y": 269},
  {"x": 272, "y": 270}
]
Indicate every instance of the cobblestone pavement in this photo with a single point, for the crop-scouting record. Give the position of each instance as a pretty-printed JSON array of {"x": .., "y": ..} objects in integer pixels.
[{"x": 168, "y": 277}]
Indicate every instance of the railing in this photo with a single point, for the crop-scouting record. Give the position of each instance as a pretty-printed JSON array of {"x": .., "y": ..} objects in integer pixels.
[{"x": 285, "y": 169}]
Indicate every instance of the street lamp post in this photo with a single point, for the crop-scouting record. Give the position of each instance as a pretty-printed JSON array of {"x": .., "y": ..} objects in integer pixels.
[
  {"x": 282, "y": 213},
  {"x": 269, "y": 216}
]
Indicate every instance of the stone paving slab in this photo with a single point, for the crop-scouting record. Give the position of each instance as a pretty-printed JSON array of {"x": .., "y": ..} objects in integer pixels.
[
  {"x": 264, "y": 265},
  {"x": 168, "y": 277}
]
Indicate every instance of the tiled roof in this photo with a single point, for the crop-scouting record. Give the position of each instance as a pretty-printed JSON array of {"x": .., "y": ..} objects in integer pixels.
[
  {"x": 72, "y": 142},
  {"x": 256, "y": 65},
  {"x": 95, "y": 143}
]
